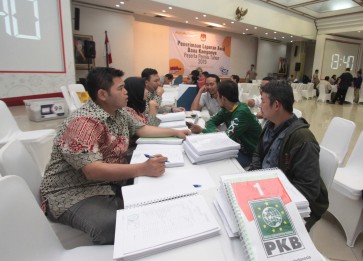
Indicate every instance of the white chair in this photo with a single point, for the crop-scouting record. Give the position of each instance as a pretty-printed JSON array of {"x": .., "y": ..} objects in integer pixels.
[
  {"x": 350, "y": 95},
  {"x": 322, "y": 95},
  {"x": 16, "y": 160},
  {"x": 345, "y": 195},
  {"x": 337, "y": 137},
  {"x": 71, "y": 106},
  {"x": 27, "y": 232},
  {"x": 361, "y": 94},
  {"x": 297, "y": 112},
  {"x": 297, "y": 92},
  {"x": 37, "y": 142},
  {"x": 74, "y": 89},
  {"x": 308, "y": 93},
  {"x": 328, "y": 163}
]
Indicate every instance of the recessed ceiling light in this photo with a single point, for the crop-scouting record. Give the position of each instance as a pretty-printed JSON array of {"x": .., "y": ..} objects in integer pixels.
[
  {"x": 255, "y": 27},
  {"x": 224, "y": 23},
  {"x": 358, "y": 31},
  {"x": 122, "y": 3},
  {"x": 170, "y": 7},
  {"x": 266, "y": 33},
  {"x": 204, "y": 15},
  {"x": 243, "y": 33},
  {"x": 214, "y": 24},
  {"x": 186, "y": 21},
  {"x": 246, "y": 29},
  {"x": 117, "y": 5},
  {"x": 283, "y": 37},
  {"x": 232, "y": 22},
  {"x": 274, "y": 32},
  {"x": 275, "y": 38},
  {"x": 291, "y": 36},
  {"x": 163, "y": 11},
  {"x": 291, "y": 41},
  {"x": 197, "y": 18}
]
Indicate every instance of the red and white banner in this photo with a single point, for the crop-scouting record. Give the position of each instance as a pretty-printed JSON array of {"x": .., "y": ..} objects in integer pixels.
[
  {"x": 108, "y": 50},
  {"x": 189, "y": 50}
]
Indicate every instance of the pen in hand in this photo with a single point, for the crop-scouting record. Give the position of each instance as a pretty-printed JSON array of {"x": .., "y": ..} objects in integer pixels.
[{"x": 151, "y": 156}]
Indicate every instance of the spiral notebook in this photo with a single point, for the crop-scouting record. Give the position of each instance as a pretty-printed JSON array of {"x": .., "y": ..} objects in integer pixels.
[
  {"x": 148, "y": 193},
  {"x": 268, "y": 220},
  {"x": 151, "y": 224}
]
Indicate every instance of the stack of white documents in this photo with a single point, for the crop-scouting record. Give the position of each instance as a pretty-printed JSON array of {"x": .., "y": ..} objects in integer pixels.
[
  {"x": 172, "y": 120},
  {"x": 210, "y": 147}
]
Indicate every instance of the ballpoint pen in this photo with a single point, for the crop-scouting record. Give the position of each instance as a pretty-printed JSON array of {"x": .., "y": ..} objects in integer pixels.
[{"x": 151, "y": 156}]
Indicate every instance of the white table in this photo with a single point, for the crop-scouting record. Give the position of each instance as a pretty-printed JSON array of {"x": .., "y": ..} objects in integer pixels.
[
  {"x": 216, "y": 248},
  {"x": 220, "y": 247}
]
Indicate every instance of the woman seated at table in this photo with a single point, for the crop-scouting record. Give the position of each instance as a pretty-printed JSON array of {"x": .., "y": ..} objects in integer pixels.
[{"x": 137, "y": 94}]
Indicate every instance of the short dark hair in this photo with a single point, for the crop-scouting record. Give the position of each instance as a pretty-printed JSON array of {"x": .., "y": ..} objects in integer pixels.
[
  {"x": 205, "y": 73},
  {"x": 215, "y": 76},
  {"x": 101, "y": 78},
  {"x": 195, "y": 75},
  {"x": 228, "y": 89},
  {"x": 235, "y": 77},
  {"x": 280, "y": 91},
  {"x": 147, "y": 72},
  {"x": 169, "y": 76},
  {"x": 326, "y": 78}
]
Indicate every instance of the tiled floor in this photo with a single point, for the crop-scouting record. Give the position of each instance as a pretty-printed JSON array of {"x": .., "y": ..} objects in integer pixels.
[{"x": 327, "y": 234}]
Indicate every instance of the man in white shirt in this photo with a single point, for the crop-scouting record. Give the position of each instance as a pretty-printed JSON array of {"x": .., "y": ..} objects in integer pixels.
[
  {"x": 326, "y": 84},
  {"x": 207, "y": 96}
]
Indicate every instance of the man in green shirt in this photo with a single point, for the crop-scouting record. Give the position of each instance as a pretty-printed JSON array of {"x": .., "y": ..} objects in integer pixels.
[{"x": 242, "y": 125}]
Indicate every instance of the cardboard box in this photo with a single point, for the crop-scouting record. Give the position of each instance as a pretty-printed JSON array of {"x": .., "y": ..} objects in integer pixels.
[{"x": 46, "y": 109}]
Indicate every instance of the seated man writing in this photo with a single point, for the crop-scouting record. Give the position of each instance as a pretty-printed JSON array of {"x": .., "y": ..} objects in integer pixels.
[
  {"x": 207, "y": 96},
  {"x": 287, "y": 143},
  {"x": 242, "y": 125},
  {"x": 81, "y": 184}
]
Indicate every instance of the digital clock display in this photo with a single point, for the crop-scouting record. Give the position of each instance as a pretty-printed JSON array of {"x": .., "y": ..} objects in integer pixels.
[{"x": 338, "y": 56}]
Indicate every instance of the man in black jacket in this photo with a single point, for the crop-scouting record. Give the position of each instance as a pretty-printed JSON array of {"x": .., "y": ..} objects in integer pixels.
[
  {"x": 344, "y": 82},
  {"x": 287, "y": 143}
]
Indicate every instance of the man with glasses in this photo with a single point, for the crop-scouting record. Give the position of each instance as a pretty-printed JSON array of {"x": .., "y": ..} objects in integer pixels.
[
  {"x": 207, "y": 96},
  {"x": 287, "y": 143}
]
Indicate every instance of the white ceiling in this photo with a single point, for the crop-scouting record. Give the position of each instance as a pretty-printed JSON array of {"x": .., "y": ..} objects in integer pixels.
[{"x": 312, "y": 9}]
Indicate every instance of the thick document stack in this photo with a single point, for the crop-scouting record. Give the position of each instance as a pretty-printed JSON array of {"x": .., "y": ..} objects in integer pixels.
[
  {"x": 172, "y": 120},
  {"x": 268, "y": 221},
  {"x": 166, "y": 141},
  {"x": 174, "y": 153},
  {"x": 210, "y": 147},
  {"x": 159, "y": 218}
]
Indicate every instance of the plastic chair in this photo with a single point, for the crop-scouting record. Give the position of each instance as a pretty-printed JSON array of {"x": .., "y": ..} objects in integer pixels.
[
  {"x": 37, "y": 142},
  {"x": 345, "y": 195},
  {"x": 10, "y": 156},
  {"x": 29, "y": 235},
  {"x": 361, "y": 94},
  {"x": 297, "y": 112},
  {"x": 297, "y": 92},
  {"x": 350, "y": 95},
  {"x": 13, "y": 153},
  {"x": 337, "y": 137},
  {"x": 308, "y": 93},
  {"x": 328, "y": 163},
  {"x": 71, "y": 106},
  {"x": 322, "y": 95}
]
